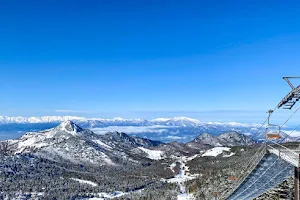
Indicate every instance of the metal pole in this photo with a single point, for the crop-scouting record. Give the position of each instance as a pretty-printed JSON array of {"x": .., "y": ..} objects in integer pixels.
[
  {"x": 266, "y": 140},
  {"x": 296, "y": 181}
]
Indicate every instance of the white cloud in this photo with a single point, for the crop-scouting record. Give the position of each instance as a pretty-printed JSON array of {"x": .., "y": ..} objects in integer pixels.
[
  {"x": 133, "y": 129},
  {"x": 175, "y": 137}
]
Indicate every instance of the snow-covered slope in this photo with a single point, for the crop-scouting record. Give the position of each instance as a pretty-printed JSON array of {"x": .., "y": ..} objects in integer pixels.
[
  {"x": 45, "y": 119},
  {"x": 215, "y": 151},
  {"x": 152, "y": 154},
  {"x": 176, "y": 121},
  {"x": 70, "y": 142}
]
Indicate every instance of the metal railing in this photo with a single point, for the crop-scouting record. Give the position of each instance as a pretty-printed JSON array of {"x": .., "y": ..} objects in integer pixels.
[
  {"x": 254, "y": 162},
  {"x": 285, "y": 154}
]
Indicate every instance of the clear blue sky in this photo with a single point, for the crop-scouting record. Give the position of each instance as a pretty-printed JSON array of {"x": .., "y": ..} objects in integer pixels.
[{"x": 146, "y": 58}]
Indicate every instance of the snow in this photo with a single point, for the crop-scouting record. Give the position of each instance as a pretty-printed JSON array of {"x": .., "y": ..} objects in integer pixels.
[
  {"x": 66, "y": 125},
  {"x": 104, "y": 195},
  {"x": 55, "y": 119},
  {"x": 182, "y": 177},
  {"x": 161, "y": 119},
  {"x": 172, "y": 166},
  {"x": 176, "y": 119},
  {"x": 196, "y": 121},
  {"x": 102, "y": 144},
  {"x": 106, "y": 159},
  {"x": 27, "y": 142},
  {"x": 233, "y": 124},
  {"x": 118, "y": 119},
  {"x": 45, "y": 119},
  {"x": 227, "y": 156},
  {"x": 85, "y": 182},
  {"x": 30, "y": 142},
  {"x": 185, "y": 196},
  {"x": 152, "y": 154},
  {"x": 215, "y": 151},
  {"x": 190, "y": 158}
]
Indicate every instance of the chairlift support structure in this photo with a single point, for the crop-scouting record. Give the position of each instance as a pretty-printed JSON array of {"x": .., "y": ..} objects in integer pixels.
[{"x": 292, "y": 97}]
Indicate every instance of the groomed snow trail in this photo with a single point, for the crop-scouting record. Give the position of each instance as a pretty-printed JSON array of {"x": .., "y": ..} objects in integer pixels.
[{"x": 182, "y": 177}]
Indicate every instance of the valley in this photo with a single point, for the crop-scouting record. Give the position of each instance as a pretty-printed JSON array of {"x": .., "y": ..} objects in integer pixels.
[{"x": 71, "y": 162}]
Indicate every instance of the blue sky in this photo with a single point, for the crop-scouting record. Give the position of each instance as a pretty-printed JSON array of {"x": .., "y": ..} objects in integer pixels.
[{"x": 147, "y": 58}]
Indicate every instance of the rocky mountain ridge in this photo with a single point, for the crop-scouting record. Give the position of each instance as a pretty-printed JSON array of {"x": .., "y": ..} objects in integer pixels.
[
  {"x": 70, "y": 142},
  {"x": 225, "y": 139}
]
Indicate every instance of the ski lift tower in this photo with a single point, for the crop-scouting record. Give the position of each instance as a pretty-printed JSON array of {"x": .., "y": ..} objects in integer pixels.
[
  {"x": 287, "y": 103},
  {"x": 292, "y": 97}
]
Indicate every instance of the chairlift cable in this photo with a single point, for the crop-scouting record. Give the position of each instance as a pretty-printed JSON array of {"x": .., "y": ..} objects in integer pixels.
[
  {"x": 290, "y": 133},
  {"x": 290, "y": 117},
  {"x": 265, "y": 183},
  {"x": 257, "y": 178}
]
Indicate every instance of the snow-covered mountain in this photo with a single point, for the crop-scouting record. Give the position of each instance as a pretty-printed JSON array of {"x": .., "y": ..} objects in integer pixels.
[
  {"x": 235, "y": 139},
  {"x": 70, "y": 142},
  {"x": 32, "y": 120},
  {"x": 119, "y": 139},
  {"x": 225, "y": 139},
  {"x": 176, "y": 121},
  {"x": 98, "y": 122},
  {"x": 206, "y": 138},
  {"x": 181, "y": 129}
]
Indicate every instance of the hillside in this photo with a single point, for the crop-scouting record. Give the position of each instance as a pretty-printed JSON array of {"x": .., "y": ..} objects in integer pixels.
[{"x": 116, "y": 165}]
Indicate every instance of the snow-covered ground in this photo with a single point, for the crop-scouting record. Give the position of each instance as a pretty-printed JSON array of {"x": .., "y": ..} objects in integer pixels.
[
  {"x": 22, "y": 195},
  {"x": 152, "y": 154},
  {"x": 85, "y": 182},
  {"x": 103, "y": 144},
  {"x": 185, "y": 196},
  {"x": 215, "y": 151},
  {"x": 172, "y": 166},
  {"x": 182, "y": 177},
  {"x": 229, "y": 155},
  {"x": 105, "y": 196}
]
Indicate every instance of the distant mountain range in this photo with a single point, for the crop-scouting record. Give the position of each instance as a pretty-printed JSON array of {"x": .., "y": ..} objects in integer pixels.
[
  {"x": 100, "y": 122},
  {"x": 68, "y": 141},
  {"x": 180, "y": 129}
]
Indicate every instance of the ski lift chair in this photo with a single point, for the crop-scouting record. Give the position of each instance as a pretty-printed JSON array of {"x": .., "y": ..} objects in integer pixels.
[{"x": 274, "y": 134}]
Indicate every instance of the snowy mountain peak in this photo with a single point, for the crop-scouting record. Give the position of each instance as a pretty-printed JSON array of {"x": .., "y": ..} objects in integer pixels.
[
  {"x": 177, "y": 121},
  {"x": 182, "y": 119},
  {"x": 186, "y": 119},
  {"x": 69, "y": 127}
]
